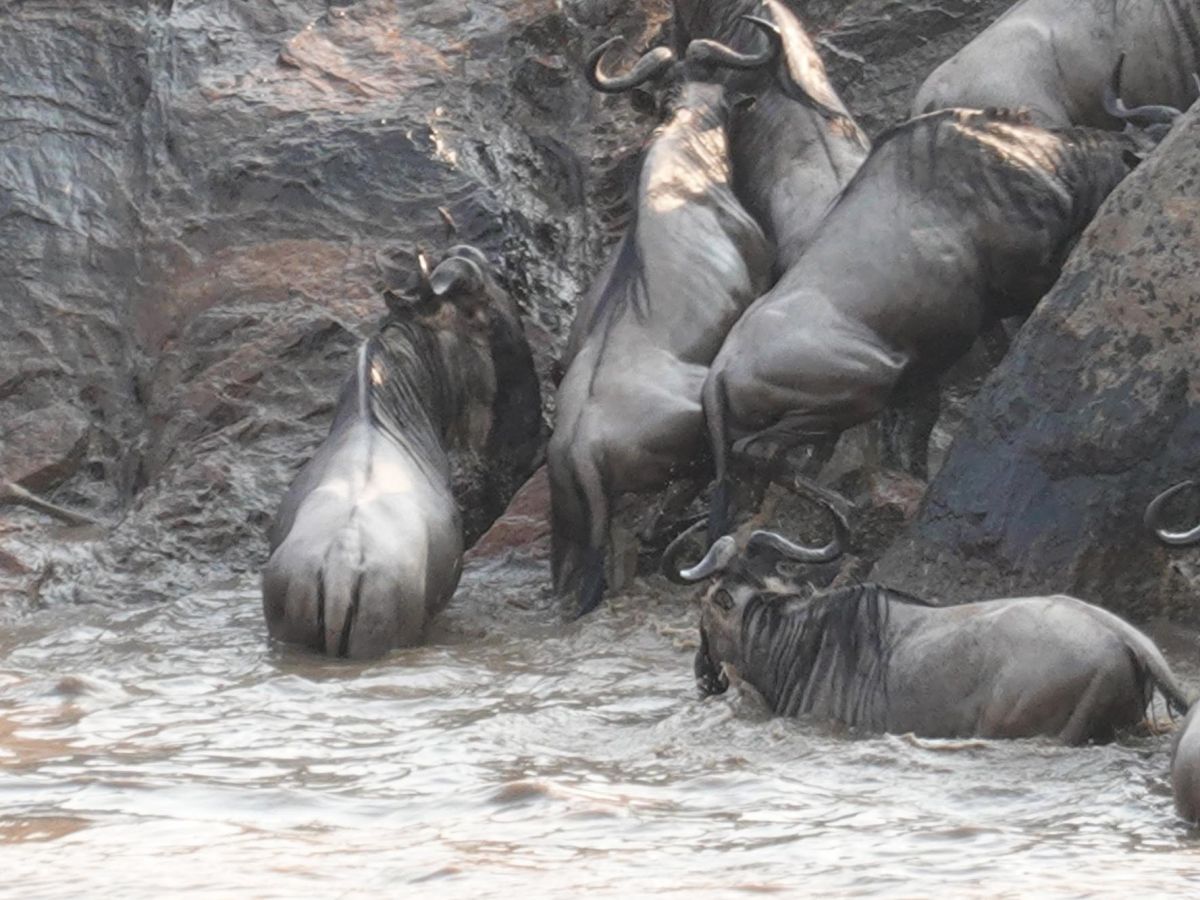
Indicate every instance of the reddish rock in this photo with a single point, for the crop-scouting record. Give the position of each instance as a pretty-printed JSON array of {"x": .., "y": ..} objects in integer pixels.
[
  {"x": 42, "y": 448},
  {"x": 524, "y": 529}
]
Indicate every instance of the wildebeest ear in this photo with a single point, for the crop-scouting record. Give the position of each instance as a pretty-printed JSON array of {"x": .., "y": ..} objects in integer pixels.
[
  {"x": 456, "y": 274},
  {"x": 396, "y": 303},
  {"x": 740, "y": 103},
  {"x": 644, "y": 102}
]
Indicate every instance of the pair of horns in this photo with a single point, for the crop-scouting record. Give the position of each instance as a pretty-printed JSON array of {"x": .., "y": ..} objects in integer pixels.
[
  {"x": 1151, "y": 114},
  {"x": 1153, "y": 518},
  {"x": 725, "y": 549},
  {"x": 461, "y": 272},
  {"x": 701, "y": 51}
]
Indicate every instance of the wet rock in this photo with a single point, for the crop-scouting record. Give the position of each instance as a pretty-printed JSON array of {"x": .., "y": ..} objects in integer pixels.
[
  {"x": 1094, "y": 410},
  {"x": 42, "y": 448},
  {"x": 524, "y": 528}
]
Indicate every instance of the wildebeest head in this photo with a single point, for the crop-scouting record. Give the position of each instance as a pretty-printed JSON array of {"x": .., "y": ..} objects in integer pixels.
[
  {"x": 764, "y": 573},
  {"x": 662, "y": 69},
  {"x": 476, "y": 329}
]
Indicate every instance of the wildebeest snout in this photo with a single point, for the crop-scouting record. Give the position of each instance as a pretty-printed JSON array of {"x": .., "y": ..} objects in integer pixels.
[{"x": 710, "y": 676}]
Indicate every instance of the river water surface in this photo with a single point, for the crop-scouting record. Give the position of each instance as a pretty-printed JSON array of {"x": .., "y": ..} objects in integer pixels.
[{"x": 151, "y": 749}]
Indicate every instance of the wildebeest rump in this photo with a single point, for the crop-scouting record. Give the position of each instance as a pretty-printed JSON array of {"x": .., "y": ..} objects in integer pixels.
[
  {"x": 956, "y": 218},
  {"x": 367, "y": 544},
  {"x": 1054, "y": 57},
  {"x": 628, "y": 411},
  {"x": 880, "y": 660}
]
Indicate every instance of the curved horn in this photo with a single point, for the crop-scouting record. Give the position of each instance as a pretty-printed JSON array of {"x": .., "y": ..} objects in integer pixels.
[
  {"x": 841, "y": 526},
  {"x": 424, "y": 288},
  {"x": 652, "y": 64},
  {"x": 470, "y": 251},
  {"x": 718, "y": 557},
  {"x": 456, "y": 273},
  {"x": 1153, "y": 516},
  {"x": 1115, "y": 106},
  {"x": 704, "y": 50},
  {"x": 710, "y": 677},
  {"x": 669, "y": 565}
]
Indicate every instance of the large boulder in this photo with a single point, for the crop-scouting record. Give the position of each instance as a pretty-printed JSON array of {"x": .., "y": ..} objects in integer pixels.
[{"x": 1093, "y": 411}]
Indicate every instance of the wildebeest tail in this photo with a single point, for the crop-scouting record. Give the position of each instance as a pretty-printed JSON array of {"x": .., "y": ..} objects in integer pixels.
[
  {"x": 716, "y": 404},
  {"x": 338, "y": 589},
  {"x": 579, "y": 519},
  {"x": 1147, "y": 656}
]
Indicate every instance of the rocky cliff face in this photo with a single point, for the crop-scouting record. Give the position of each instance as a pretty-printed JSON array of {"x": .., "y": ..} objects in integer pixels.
[
  {"x": 1095, "y": 410},
  {"x": 202, "y": 198}
]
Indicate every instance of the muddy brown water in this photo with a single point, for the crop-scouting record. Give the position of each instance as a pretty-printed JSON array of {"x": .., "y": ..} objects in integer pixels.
[{"x": 147, "y": 750}]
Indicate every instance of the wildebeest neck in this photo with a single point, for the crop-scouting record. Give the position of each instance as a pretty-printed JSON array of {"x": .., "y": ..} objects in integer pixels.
[
  {"x": 689, "y": 153},
  {"x": 406, "y": 388},
  {"x": 827, "y": 654}
]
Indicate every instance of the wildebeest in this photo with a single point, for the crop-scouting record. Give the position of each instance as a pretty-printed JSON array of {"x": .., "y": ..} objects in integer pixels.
[
  {"x": 1185, "y": 750},
  {"x": 880, "y": 660},
  {"x": 1153, "y": 518},
  {"x": 1054, "y": 57},
  {"x": 628, "y": 410},
  {"x": 798, "y": 146},
  {"x": 1185, "y": 767},
  {"x": 367, "y": 544},
  {"x": 956, "y": 218}
]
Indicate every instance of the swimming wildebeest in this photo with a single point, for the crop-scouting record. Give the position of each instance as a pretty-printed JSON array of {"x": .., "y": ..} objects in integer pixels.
[
  {"x": 798, "y": 146},
  {"x": 1054, "y": 58},
  {"x": 628, "y": 411},
  {"x": 957, "y": 218},
  {"x": 1185, "y": 751},
  {"x": 881, "y": 660},
  {"x": 1185, "y": 767},
  {"x": 367, "y": 544}
]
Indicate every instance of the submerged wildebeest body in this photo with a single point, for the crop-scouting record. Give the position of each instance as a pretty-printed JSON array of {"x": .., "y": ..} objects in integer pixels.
[
  {"x": 956, "y": 218},
  {"x": 883, "y": 661},
  {"x": 1185, "y": 750},
  {"x": 798, "y": 146},
  {"x": 1054, "y": 58},
  {"x": 1185, "y": 767},
  {"x": 367, "y": 544},
  {"x": 628, "y": 411}
]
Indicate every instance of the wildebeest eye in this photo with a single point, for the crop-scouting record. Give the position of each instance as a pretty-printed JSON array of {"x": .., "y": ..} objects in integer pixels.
[{"x": 723, "y": 599}]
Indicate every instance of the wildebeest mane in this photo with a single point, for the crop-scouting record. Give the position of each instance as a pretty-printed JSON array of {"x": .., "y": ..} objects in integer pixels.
[
  {"x": 402, "y": 385},
  {"x": 832, "y": 643},
  {"x": 977, "y": 155},
  {"x": 626, "y": 289}
]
